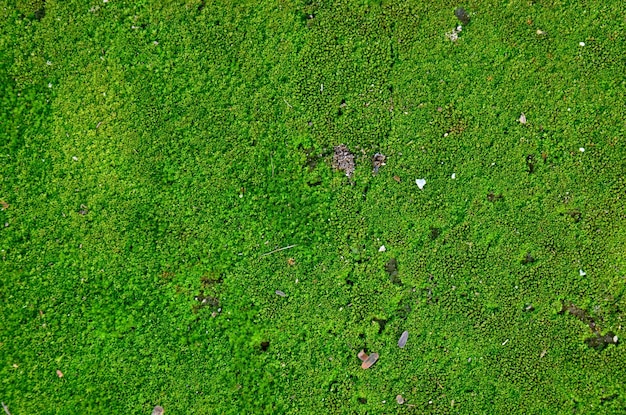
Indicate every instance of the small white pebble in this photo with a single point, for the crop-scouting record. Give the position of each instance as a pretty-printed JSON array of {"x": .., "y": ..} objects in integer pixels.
[
  {"x": 282, "y": 294},
  {"x": 49, "y": 85},
  {"x": 382, "y": 248},
  {"x": 453, "y": 176},
  {"x": 74, "y": 158},
  {"x": 420, "y": 183},
  {"x": 582, "y": 273},
  {"x": 48, "y": 63},
  {"x": 581, "y": 43},
  {"x": 582, "y": 149},
  {"x": 155, "y": 43},
  {"x": 615, "y": 339}
]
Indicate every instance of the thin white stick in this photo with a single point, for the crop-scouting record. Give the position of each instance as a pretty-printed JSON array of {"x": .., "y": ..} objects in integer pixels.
[
  {"x": 279, "y": 249},
  {"x": 6, "y": 408}
]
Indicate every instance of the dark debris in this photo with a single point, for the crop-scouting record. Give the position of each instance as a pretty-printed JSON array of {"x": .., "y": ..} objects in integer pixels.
[
  {"x": 378, "y": 161},
  {"x": 343, "y": 160}
]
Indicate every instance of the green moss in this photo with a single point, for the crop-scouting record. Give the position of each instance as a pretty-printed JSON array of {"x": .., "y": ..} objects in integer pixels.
[{"x": 156, "y": 157}]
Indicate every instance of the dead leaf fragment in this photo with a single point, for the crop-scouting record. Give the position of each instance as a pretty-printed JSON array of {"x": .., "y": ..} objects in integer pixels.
[
  {"x": 4, "y": 204},
  {"x": 362, "y": 355},
  {"x": 397, "y": 178}
]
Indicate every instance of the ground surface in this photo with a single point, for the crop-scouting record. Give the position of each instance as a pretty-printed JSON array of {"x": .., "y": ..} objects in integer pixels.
[{"x": 153, "y": 151}]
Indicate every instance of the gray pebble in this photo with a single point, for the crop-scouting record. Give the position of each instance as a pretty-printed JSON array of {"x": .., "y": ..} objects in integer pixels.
[
  {"x": 403, "y": 339},
  {"x": 462, "y": 15},
  {"x": 282, "y": 294}
]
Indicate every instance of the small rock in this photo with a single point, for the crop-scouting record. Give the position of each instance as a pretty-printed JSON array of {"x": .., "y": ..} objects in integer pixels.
[
  {"x": 371, "y": 359},
  {"x": 382, "y": 248},
  {"x": 282, "y": 294},
  {"x": 462, "y": 15},
  {"x": 403, "y": 338},
  {"x": 582, "y": 149},
  {"x": 453, "y": 176},
  {"x": 158, "y": 410},
  {"x": 581, "y": 43},
  {"x": 420, "y": 183},
  {"x": 582, "y": 273},
  {"x": 522, "y": 119},
  {"x": 399, "y": 399}
]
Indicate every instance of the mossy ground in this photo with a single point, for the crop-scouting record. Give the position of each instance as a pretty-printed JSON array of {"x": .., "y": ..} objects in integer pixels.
[{"x": 151, "y": 152}]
